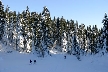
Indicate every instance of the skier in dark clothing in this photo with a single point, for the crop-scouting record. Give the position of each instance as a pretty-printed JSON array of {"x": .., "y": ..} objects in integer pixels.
[
  {"x": 30, "y": 61},
  {"x": 34, "y": 61},
  {"x": 64, "y": 57}
]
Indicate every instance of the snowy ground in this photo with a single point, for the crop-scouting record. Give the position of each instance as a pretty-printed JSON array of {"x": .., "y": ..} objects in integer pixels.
[{"x": 19, "y": 62}]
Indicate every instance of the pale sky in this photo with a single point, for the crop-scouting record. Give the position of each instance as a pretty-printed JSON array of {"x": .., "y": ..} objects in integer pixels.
[{"x": 89, "y": 12}]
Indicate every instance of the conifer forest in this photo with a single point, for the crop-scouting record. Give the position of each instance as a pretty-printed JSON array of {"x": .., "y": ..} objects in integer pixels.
[{"x": 37, "y": 32}]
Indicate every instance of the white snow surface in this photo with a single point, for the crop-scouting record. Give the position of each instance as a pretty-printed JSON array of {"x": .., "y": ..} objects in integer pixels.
[{"x": 19, "y": 62}]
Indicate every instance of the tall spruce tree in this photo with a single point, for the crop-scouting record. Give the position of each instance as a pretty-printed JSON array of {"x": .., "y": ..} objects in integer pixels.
[
  {"x": 5, "y": 38},
  {"x": 105, "y": 31},
  {"x": 2, "y": 21},
  {"x": 47, "y": 28}
]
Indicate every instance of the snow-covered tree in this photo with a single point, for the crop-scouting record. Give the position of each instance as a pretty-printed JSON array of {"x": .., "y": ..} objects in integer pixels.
[
  {"x": 2, "y": 20},
  {"x": 105, "y": 32},
  {"x": 5, "y": 37}
]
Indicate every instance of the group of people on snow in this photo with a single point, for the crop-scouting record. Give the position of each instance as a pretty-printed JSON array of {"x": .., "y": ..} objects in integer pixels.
[{"x": 31, "y": 61}]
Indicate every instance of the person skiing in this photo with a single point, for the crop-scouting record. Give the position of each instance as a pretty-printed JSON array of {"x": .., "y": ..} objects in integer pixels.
[
  {"x": 34, "y": 61},
  {"x": 30, "y": 61}
]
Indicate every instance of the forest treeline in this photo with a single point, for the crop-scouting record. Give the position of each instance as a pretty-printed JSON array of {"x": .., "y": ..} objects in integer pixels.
[{"x": 31, "y": 31}]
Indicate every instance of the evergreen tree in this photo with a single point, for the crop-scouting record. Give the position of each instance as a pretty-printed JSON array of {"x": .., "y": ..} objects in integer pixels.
[
  {"x": 2, "y": 21},
  {"x": 46, "y": 28},
  {"x": 105, "y": 31},
  {"x": 62, "y": 39},
  {"x": 82, "y": 38},
  {"x": 71, "y": 38},
  {"x": 34, "y": 28},
  {"x": 5, "y": 38}
]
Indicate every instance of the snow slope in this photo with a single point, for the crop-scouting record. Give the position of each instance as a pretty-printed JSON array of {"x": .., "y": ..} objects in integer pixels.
[{"x": 19, "y": 62}]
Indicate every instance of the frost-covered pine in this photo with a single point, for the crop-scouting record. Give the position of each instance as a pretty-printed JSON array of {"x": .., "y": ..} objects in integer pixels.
[
  {"x": 93, "y": 40},
  {"x": 82, "y": 38},
  {"x": 2, "y": 21},
  {"x": 46, "y": 28},
  {"x": 10, "y": 27},
  {"x": 75, "y": 48},
  {"x": 64, "y": 42},
  {"x": 18, "y": 38},
  {"x": 6, "y": 32},
  {"x": 26, "y": 31},
  {"x": 34, "y": 29},
  {"x": 69, "y": 38},
  {"x": 105, "y": 31}
]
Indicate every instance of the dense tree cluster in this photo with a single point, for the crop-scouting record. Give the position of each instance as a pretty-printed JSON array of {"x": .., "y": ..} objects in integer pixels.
[{"x": 32, "y": 31}]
